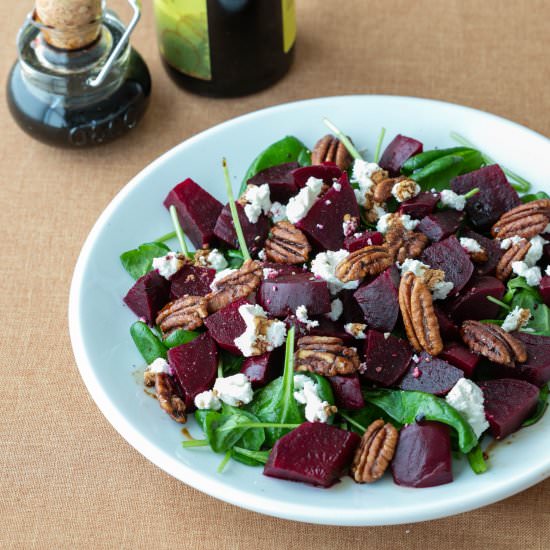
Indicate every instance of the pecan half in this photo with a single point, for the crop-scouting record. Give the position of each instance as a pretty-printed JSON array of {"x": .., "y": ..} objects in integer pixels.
[
  {"x": 200, "y": 258},
  {"x": 403, "y": 243},
  {"x": 383, "y": 188},
  {"x": 235, "y": 285},
  {"x": 325, "y": 355},
  {"x": 169, "y": 398},
  {"x": 479, "y": 256},
  {"x": 515, "y": 253},
  {"x": 525, "y": 220},
  {"x": 287, "y": 244},
  {"x": 493, "y": 342},
  {"x": 419, "y": 318},
  {"x": 330, "y": 149},
  {"x": 370, "y": 260},
  {"x": 375, "y": 452},
  {"x": 187, "y": 312}
]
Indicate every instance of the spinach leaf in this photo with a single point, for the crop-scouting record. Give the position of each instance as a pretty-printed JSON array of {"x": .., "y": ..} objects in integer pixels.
[
  {"x": 139, "y": 261},
  {"x": 477, "y": 460},
  {"x": 234, "y": 258},
  {"x": 179, "y": 337},
  {"x": 250, "y": 458},
  {"x": 361, "y": 419},
  {"x": 540, "y": 321},
  {"x": 542, "y": 405},
  {"x": 406, "y": 406},
  {"x": 288, "y": 149},
  {"x": 231, "y": 364},
  {"x": 422, "y": 159},
  {"x": 147, "y": 342},
  {"x": 534, "y": 196}
]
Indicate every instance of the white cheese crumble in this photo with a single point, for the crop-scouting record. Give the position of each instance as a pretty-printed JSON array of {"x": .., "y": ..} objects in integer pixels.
[
  {"x": 404, "y": 191},
  {"x": 357, "y": 330},
  {"x": 234, "y": 390},
  {"x": 220, "y": 275},
  {"x": 262, "y": 255},
  {"x": 306, "y": 392},
  {"x": 534, "y": 254},
  {"x": 269, "y": 272},
  {"x": 336, "y": 309},
  {"x": 168, "y": 265},
  {"x": 349, "y": 226},
  {"x": 337, "y": 186},
  {"x": 248, "y": 341},
  {"x": 440, "y": 290},
  {"x": 470, "y": 245},
  {"x": 277, "y": 212},
  {"x": 215, "y": 260},
  {"x": 207, "y": 400},
  {"x": 159, "y": 366},
  {"x": 547, "y": 271},
  {"x": 452, "y": 200},
  {"x": 516, "y": 319},
  {"x": 386, "y": 220},
  {"x": 324, "y": 266},
  {"x": 301, "y": 315},
  {"x": 384, "y": 223},
  {"x": 467, "y": 398},
  {"x": 362, "y": 174},
  {"x": 532, "y": 274},
  {"x": 258, "y": 201},
  {"x": 299, "y": 205},
  {"x": 387, "y": 335},
  {"x": 505, "y": 244}
]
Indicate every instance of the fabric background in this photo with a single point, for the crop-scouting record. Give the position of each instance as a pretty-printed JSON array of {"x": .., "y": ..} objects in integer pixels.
[{"x": 67, "y": 479}]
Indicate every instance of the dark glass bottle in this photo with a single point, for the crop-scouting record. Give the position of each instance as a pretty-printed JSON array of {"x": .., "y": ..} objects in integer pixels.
[{"x": 225, "y": 48}]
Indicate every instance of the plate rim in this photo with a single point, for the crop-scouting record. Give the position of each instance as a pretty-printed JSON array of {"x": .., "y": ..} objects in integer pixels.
[{"x": 206, "y": 484}]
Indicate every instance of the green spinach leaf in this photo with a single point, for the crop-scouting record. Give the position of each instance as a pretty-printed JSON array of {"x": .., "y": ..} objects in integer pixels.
[
  {"x": 477, "y": 460},
  {"x": 534, "y": 196},
  {"x": 147, "y": 342},
  {"x": 139, "y": 261},
  {"x": 542, "y": 405},
  {"x": 231, "y": 364},
  {"x": 234, "y": 258},
  {"x": 179, "y": 337},
  {"x": 248, "y": 457}
]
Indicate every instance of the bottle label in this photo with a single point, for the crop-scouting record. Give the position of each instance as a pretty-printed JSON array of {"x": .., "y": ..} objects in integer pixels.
[
  {"x": 182, "y": 31},
  {"x": 289, "y": 24}
]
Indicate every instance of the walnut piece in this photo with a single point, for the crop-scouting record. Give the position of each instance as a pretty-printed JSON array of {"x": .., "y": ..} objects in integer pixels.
[
  {"x": 375, "y": 452},
  {"x": 419, "y": 318},
  {"x": 187, "y": 313},
  {"x": 370, "y": 260},
  {"x": 330, "y": 149},
  {"x": 525, "y": 220},
  {"x": 169, "y": 398},
  {"x": 235, "y": 285},
  {"x": 287, "y": 244},
  {"x": 515, "y": 253},
  {"x": 325, "y": 355},
  {"x": 493, "y": 342},
  {"x": 403, "y": 243}
]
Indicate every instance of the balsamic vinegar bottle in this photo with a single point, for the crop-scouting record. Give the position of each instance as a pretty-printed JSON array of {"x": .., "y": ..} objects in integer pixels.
[{"x": 226, "y": 48}]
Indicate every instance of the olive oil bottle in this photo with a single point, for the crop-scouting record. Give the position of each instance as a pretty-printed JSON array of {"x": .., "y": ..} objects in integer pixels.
[{"x": 226, "y": 48}]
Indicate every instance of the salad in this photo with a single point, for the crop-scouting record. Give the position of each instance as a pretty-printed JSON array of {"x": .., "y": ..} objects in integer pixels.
[{"x": 350, "y": 316}]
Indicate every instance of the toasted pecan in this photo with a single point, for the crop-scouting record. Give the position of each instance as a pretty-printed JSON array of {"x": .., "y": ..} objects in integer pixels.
[
  {"x": 287, "y": 244},
  {"x": 325, "y": 355},
  {"x": 169, "y": 398},
  {"x": 330, "y": 149},
  {"x": 404, "y": 243},
  {"x": 515, "y": 253},
  {"x": 525, "y": 220},
  {"x": 369, "y": 260},
  {"x": 187, "y": 313}
]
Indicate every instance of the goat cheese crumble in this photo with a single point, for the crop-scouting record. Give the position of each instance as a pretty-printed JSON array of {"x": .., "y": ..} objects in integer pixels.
[
  {"x": 168, "y": 265},
  {"x": 470, "y": 245},
  {"x": 405, "y": 189},
  {"x": 357, "y": 330},
  {"x": 534, "y": 254},
  {"x": 336, "y": 309},
  {"x": 362, "y": 174},
  {"x": 299, "y": 205},
  {"x": 516, "y": 319},
  {"x": 208, "y": 400},
  {"x": 219, "y": 276},
  {"x": 324, "y": 266},
  {"x": 258, "y": 201},
  {"x": 349, "y": 226},
  {"x": 467, "y": 398},
  {"x": 277, "y": 212},
  {"x": 440, "y": 290},
  {"x": 306, "y": 392},
  {"x": 386, "y": 220},
  {"x": 215, "y": 260},
  {"x": 532, "y": 274},
  {"x": 452, "y": 200},
  {"x": 505, "y": 244},
  {"x": 234, "y": 390},
  {"x": 301, "y": 315},
  {"x": 159, "y": 366}
]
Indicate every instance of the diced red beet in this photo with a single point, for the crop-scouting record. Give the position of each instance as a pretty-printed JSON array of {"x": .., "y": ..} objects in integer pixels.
[
  {"x": 508, "y": 402},
  {"x": 440, "y": 225},
  {"x": 280, "y": 181},
  {"x": 148, "y": 296},
  {"x": 423, "y": 455},
  {"x": 255, "y": 234},
  {"x": 451, "y": 258},
  {"x": 282, "y": 295},
  {"x": 315, "y": 453},
  {"x": 327, "y": 171},
  {"x": 330, "y": 328},
  {"x": 227, "y": 324},
  {"x": 192, "y": 280},
  {"x": 491, "y": 246},
  {"x": 386, "y": 359},
  {"x": 262, "y": 369},
  {"x": 281, "y": 269},
  {"x": 366, "y": 238},
  {"x": 351, "y": 313},
  {"x": 397, "y": 152},
  {"x": 379, "y": 301},
  {"x": 431, "y": 375},
  {"x": 544, "y": 289},
  {"x": 347, "y": 392},
  {"x": 495, "y": 196},
  {"x": 323, "y": 223},
  {"x": 461, "y": 357},
  {"x": 472, "y": 302},
  {"x": 419, "y": 206},
  {"x": 448, "y": 330},
  {"x": 194, "y": 366},
  {"x": 197, "y": 210}
]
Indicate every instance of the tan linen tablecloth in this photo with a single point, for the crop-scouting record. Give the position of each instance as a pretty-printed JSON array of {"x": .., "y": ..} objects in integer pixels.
[{"x": 67, "y": 479}]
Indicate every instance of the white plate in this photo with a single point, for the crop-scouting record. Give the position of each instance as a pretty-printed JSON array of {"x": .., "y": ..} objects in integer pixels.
[{"x": 106, "y": 356}]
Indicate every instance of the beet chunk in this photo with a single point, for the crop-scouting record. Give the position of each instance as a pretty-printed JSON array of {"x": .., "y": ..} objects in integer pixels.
[
  {"x": 440, "y": 225},
  {"x": 472, "y": 302},
  {"x": 508, "y": 403},
  {"x": 192, "y": 280},
  {"x": 366, "y": 238},
  {"x": 281, "y": 295},
  {"x": 352, "y": 312},
  {"x": 379, "y": 300},
  {"x": 194, "y": 366},
  {"x": 430, "y": 375},
  {"x": 313, "y": 453},
  {"x": 419, "y": 206},
  {"x": 330, "y": 328},
  {"x": 423, "y": 455},
  {"x": 447, "y": 328},
  {"x": 347, "y": 392},
  {"x": 451, "y": 258},
  {"x": 397, "y": 152},
  {"x": 491, "y": 246},
  {"x": 327, "y": 171},
  {"x": 544, "y": 289},
  {"x": 495, "y": 196},
  {"x": 148, "y": 296},
  {"x": 227, "y": 324},
  {"x": 386, "y": 359},
  {"x": 323, "y": 223},
  {"x": 262, "y": 369},
  {"x": 280, "y": 181},
  {"x": 255, "y": 234},
  {"x": 197, "y": 210},
  {"x": 461, "y": 357}
]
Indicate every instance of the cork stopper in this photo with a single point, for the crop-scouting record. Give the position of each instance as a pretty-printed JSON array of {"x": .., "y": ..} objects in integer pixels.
[{"x": 69, "y": 24}]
